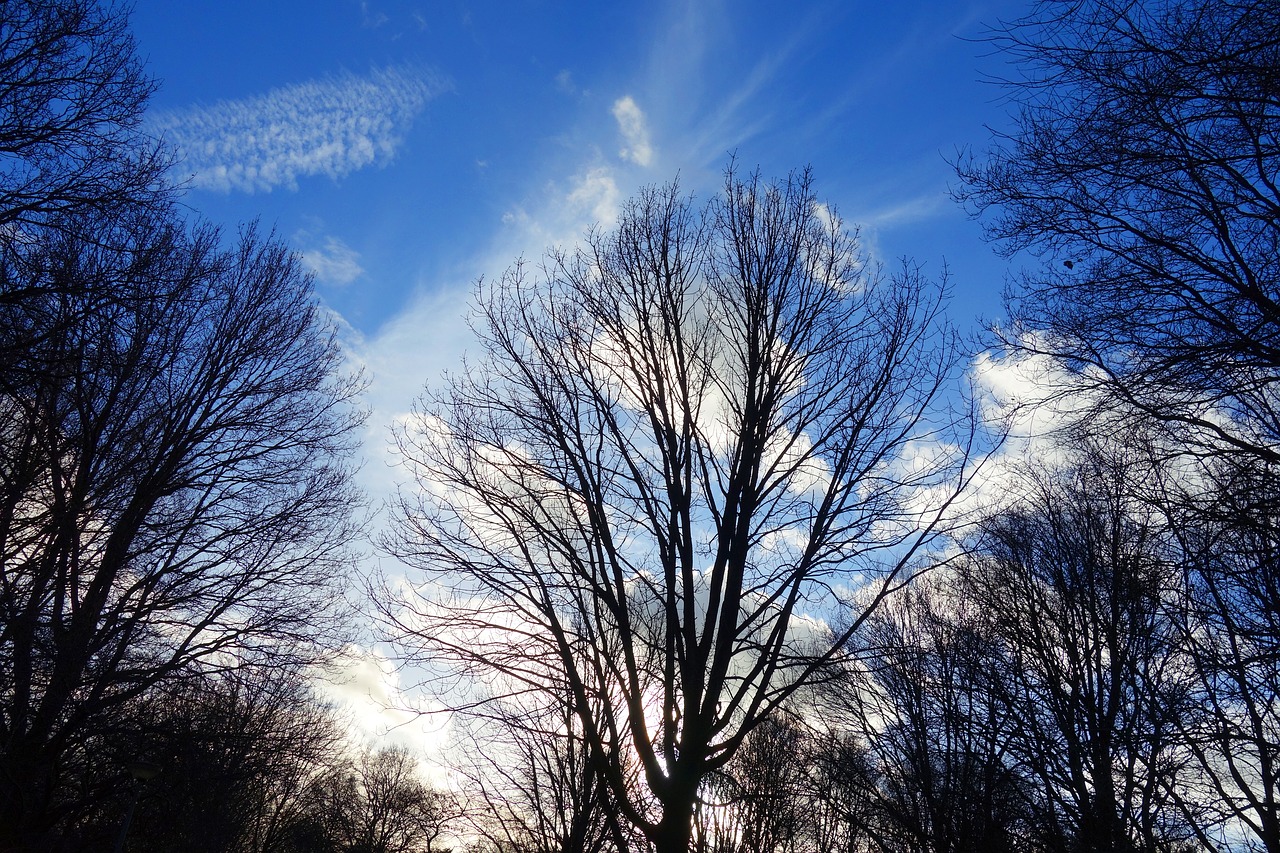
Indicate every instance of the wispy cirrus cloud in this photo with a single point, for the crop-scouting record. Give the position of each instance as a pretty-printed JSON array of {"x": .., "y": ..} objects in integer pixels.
[{"x": 327, "y": 127}]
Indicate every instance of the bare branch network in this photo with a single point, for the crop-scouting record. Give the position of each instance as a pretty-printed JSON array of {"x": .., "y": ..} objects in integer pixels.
[{"x": 698, "y": 451}]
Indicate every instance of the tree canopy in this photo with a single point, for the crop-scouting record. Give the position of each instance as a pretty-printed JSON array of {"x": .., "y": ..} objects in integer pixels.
[{"x": 690, "y": 442}]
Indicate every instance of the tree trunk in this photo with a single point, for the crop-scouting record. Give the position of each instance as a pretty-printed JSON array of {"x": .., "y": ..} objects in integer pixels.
[{"x": 675, "y": 830}]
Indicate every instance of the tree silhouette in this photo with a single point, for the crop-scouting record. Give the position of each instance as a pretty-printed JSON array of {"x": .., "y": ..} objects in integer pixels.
[
  {"x": 72, "y": 95},
  {"x": 688, "y": 440},
  {"x": 173, "y": 496},
  {"x": 1142, "y": 167}
]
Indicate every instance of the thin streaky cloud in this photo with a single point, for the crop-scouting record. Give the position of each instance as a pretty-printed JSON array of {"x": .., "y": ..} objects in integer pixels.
[
  {"x": 908, "y": 211},
  {"x": 739, "y": 116},
  {"x": 327, "y": 127}
]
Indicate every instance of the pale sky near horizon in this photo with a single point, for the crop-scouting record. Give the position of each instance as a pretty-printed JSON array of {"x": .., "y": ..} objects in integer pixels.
[{"x": 408, "y": 147}]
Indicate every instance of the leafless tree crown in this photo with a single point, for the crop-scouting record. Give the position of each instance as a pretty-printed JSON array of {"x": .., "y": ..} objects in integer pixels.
[{"x": 689, "y": 442}]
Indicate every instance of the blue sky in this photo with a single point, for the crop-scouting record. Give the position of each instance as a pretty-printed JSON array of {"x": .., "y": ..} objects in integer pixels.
[{"x": 407, "y": 148}]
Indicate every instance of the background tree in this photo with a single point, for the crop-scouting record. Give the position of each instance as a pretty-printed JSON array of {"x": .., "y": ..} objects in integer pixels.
[
  {"x": 72, "y": 95},
  {"x": 530, "y": 784},
  {"x": 239, "y": 754},
  {"x": 1142, "y": 166},
  {"x": 688, "y": 440},
  {"x": 174, "y": 427},
  {"x": 381, "y": 804},
  {"x": 173, "y": 497},
  {"x": 841, "y": 792},
  {"x": 918, "y": 700},
  {"x": 1074, "y": 580},
  {"x": 1229, "y": 627},
  {"x": 758, "y": 803}
]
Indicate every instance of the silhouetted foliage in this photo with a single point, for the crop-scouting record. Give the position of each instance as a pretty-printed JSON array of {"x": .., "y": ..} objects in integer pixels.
[{"x": 238, "y": 755}]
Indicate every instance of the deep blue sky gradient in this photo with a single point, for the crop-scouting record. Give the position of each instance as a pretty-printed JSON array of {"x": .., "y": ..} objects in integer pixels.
[{"x": 874, "y": 95}]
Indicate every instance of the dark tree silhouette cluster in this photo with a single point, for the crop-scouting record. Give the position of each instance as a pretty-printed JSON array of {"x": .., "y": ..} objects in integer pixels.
[
  {"x": 254, "y": 761},
  {"x": 687, "y": 536},
  {"x": 176, "y": 425},
  {"x": 72, "y": 94}
]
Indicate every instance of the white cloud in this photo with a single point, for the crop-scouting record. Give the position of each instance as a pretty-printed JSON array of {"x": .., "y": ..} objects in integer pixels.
[
  {"x": 1030, "y": 400},
  {"x": 596, "y": 193},
  {"x": 635, "y": 131},
  {"x": 365, "y": 688},
  {"x": 328, "y": 127},
  {"x": 334, "y": 263},
  {"x": 559, "y": 216}
]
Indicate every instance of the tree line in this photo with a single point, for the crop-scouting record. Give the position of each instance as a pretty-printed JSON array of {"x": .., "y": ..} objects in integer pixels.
[{"x": 716, "y": 552}]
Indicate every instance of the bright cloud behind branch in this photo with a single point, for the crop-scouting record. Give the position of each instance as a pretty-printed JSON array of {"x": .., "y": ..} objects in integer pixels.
[{"x": 328, "y": 127}]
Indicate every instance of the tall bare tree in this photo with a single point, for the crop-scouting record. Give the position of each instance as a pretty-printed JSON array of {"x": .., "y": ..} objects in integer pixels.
[
  {"x": 1142, "y": 167},
  {"x": 688, "y": 442},
  {"x": 174, "y": 491}
]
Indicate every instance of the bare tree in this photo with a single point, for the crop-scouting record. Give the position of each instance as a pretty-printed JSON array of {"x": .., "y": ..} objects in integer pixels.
[
  {"x": 1142, "y": 166},
  {"x": 1074, "y": 582},
  {"x": 72, "y": 96},
  {"x": 841, "y": 793},
  {"x": 689, "y": 441},
  {"x": 1229, "y": 624},
  {"x": 174, "y": 489},
  {"x": 918, "y": 699},
  {"x": 530, "y": 783},
  {"x": 237, "y": 753},
  {"x": 382, "y": 805},
  {"x": 758, "y": 802}
]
